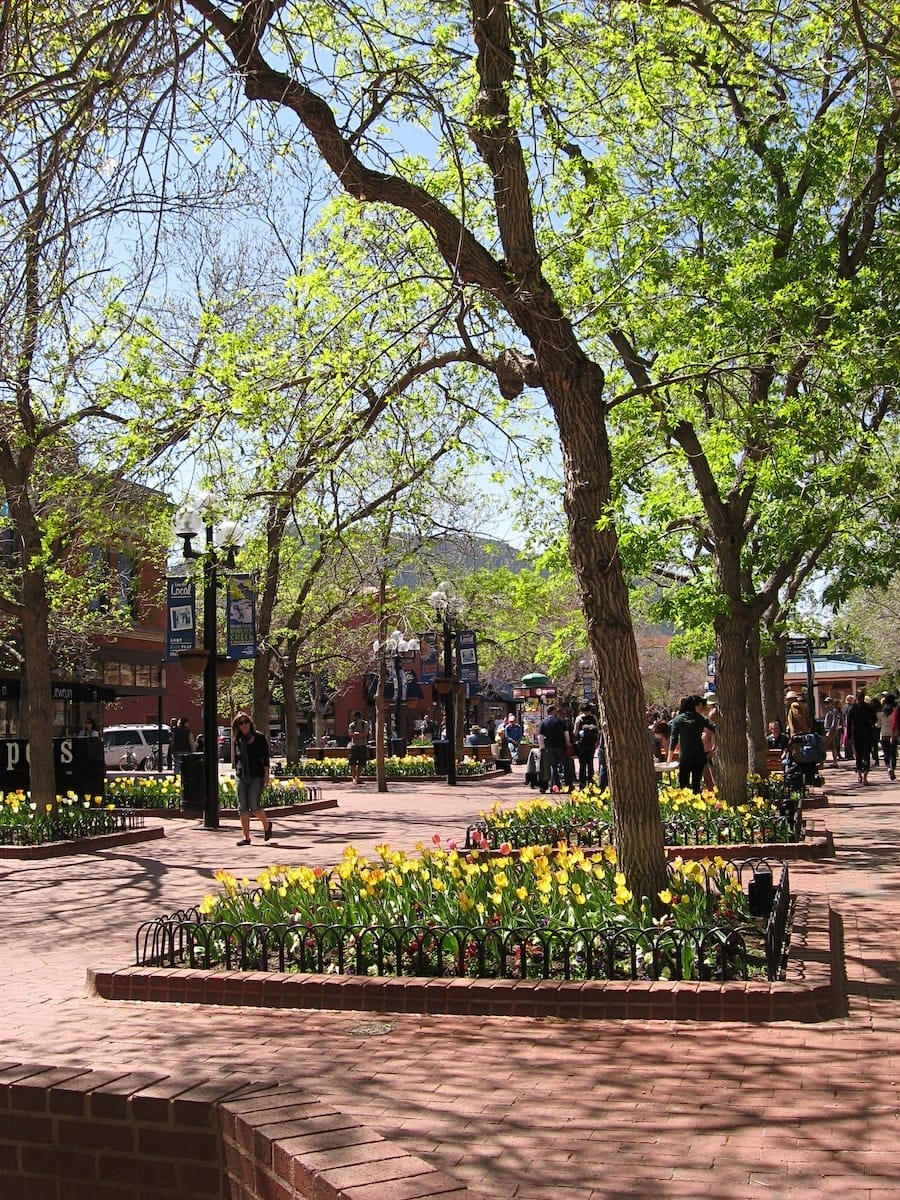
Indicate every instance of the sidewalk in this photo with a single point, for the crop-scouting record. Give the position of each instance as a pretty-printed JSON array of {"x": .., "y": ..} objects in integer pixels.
[{"x": 513, "y": 1108}]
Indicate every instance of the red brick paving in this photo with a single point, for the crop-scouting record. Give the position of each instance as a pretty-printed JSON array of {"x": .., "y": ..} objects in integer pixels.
[{"x": 511, "y": 1107}]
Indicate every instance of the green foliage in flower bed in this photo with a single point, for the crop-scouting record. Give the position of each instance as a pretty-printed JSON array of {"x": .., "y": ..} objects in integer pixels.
[
  {"x": 23, "y": 823},
  {"x": 686, "y": 817},
  {"x": 164, "y": 791},
  {"x": 539, "y": 914},
  {"x": 411, "y": 767}
]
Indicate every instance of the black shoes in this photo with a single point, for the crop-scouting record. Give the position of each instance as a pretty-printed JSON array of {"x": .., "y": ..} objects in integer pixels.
[
  {"x": 244, "y": 842},
  {"x": 267, "y": 833}
]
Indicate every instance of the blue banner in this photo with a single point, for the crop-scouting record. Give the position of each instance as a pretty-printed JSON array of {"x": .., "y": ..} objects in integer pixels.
[
  {"x": 181, "y": 616},
  {"x": 467, "y": 656},
  {"x": 241, "y": 617},
  {"x": 428, "y": 657}
]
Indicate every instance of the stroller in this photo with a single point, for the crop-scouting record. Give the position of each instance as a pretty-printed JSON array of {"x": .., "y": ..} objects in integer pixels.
[{"x": 803, "y": 756}]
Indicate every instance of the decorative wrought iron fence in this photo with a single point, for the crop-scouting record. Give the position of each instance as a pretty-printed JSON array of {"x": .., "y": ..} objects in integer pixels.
[
  {"x": 186, "y": 938},
  {"x": 69, "y": 824}
]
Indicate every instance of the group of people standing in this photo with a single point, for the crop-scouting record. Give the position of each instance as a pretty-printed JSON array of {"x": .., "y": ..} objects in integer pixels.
[
  {"x": 862, "y": 727},
  {"x": 858, "y": 729}
]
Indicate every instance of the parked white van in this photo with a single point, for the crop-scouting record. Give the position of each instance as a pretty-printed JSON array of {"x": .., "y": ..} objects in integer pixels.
[{"x": 134, "y": 747}]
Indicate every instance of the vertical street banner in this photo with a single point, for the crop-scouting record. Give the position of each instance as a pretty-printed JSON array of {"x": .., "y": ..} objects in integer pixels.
[
  {"x": 241, "y": 598},
  {"x": 181, "y": 616},
  {"x": 467, "y": 656},
  {"x": 428, "y": 657}
]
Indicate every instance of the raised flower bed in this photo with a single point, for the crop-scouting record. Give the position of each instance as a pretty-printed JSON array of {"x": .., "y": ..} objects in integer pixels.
[
  {"x": 585, "y": 818},
  {"x": 558, "y": 915},
  {"x": 412, "y": 766},
  {"x": 24, "y": 823},
  {"x": 162, "y": 793}
]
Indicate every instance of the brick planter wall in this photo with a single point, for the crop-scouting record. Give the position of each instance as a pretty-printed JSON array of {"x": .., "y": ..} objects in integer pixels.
[
  {"x": 75, "y": 1134},
  {"x": 811, "y": 992}
]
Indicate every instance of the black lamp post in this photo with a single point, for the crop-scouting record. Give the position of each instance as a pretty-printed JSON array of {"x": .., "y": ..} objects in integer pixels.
[
  {"x": 448, "y": 608},
  {"x": 188, "y": 524}
]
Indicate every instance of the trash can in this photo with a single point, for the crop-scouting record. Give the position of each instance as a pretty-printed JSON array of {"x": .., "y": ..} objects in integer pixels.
[
  {"x": 398, "y": 747},
  {"x": 193, "y": 783},
  {"x": 441, "y": 757}
]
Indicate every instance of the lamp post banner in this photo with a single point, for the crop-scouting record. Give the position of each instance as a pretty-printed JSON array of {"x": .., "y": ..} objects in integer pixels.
[
  {"x": 467, "y": 656},
  {"x": 181, "y": 616},
  {"x": 241, "y": 617},
  {"x": 428, "y": 657}
]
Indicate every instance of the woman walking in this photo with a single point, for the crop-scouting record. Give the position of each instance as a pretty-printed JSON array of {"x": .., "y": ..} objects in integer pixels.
[
  {"x": 861, "y": 729},
  {"x": 250, "y": 759}
]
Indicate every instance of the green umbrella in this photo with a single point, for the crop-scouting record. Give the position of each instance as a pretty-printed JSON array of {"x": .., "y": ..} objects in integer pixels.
[{"x": 535, "y": 679}]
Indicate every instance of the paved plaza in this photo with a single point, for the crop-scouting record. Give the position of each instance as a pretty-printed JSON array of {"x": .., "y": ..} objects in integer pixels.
[{"x": 513, "y": 1108}]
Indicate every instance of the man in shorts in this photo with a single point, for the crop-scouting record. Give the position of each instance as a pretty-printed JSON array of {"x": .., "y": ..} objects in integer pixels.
[{"x": 358, "y": 729}]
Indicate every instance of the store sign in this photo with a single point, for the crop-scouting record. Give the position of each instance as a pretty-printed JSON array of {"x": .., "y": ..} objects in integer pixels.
[{"x": 79, "y": 764}]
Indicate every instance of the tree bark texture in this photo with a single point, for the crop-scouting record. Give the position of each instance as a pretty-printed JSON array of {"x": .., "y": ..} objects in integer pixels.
[{"x": 755, "y": 723}]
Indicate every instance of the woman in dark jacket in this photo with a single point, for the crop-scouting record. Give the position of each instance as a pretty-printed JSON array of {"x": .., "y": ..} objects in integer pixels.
[
  {"x": 861, "y": 727},
  {"x": 686, "y": 736},
  {"x": 250, "y": 758}
]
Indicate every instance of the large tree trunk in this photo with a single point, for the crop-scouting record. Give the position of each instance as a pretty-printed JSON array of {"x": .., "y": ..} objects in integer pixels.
[
  {"x": 604, "y": 597},
  {"x": 289, "y": 694},
  {"x": 732, "y": 759},
  {"x": 37, "y": 705},
  {"x": 755, "y": 722},
  {"x": 772, "y": 668}
]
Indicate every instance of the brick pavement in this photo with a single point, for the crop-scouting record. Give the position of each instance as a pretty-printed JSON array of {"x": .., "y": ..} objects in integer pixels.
[{"x": 511, "y": 1107}]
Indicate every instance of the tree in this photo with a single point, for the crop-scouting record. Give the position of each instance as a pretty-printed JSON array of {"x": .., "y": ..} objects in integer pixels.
[
  {"x": 468, "y": 90},
  {"x": 69, "y": 76}
]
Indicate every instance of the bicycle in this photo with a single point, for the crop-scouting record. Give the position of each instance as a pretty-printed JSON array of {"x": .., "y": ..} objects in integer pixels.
[{"x": 128, "y": 762}]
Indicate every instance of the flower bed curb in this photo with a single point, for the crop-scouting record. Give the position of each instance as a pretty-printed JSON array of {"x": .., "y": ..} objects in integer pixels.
[
  {"x": 103, "y": 841},
  {"x": 812, "y": 991},
  {"x": 286, "y": 810}
]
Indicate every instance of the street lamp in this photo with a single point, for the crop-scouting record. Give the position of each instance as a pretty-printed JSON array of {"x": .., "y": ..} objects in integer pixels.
[
  {"x": 188, "y": 524},
  {"x": 396, "y": 647},
  {"x": 448, "y": 607}
]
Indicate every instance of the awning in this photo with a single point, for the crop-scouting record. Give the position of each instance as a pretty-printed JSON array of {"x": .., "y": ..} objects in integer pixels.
[{"x": 61, "y": 689}]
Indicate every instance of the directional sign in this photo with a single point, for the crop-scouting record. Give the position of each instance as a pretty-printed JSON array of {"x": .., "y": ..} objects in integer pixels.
[{"x": 797, "y": 646}]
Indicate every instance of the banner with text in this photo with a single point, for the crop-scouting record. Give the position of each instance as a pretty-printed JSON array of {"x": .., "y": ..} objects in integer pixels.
[
  {"x": 181, "y": 616},
  {"x": 241, "y": 617},
  {"x": 428, "y": 657},
  {"x": 467, "y": 656}
]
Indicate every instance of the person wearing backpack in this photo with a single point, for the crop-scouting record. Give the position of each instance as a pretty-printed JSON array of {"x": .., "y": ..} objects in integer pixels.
[{"x": 586, "y": 732}]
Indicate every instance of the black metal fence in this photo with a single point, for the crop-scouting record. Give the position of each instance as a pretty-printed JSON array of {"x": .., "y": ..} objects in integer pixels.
[
  {"x": 70, "y": 823},
  {"x": 537, "y": 951}
]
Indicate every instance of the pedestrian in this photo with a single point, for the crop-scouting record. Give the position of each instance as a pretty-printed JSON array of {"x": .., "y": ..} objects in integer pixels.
[
  {"x": 861, "y": 732},
  {"x": 89, "y": 729},
  {"x": 250, "y": 759},
  {"x": 553, "y": 737},
  {"x": 182, "y": 742},
  {"x": 887, "y": 734},
  {"x": 514, "y": 734},
  {"x": 586, "y": 733},
  {"x": 358, "y": 731},
  {"x": 875, "y": 705},
  {"x": 711, "y": 712},
  {"x": 848, "y": 740},
  {"x": 504, "y": 752},
  {"x": 797, "y": 715},
  {"x": 686, "y": 736},
  {"x": 834, "y": 730}
]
